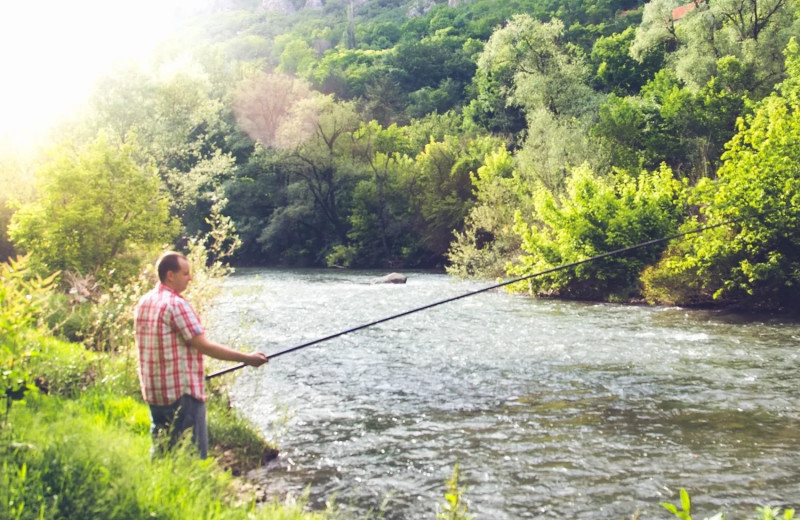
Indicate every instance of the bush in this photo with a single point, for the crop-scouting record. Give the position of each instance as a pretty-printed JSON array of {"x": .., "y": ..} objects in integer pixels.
[
  {"x": 597, "y": 215},
  {"x": 22, "y": 300}
]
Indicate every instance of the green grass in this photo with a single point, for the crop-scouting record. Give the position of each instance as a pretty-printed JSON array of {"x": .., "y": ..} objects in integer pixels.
[{"x": 90, "y": 458}]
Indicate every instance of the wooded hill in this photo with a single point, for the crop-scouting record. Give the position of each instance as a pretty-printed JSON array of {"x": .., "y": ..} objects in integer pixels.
[{"x": 493, "y": 138}]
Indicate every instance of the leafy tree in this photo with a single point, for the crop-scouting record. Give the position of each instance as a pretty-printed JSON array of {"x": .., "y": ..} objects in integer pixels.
[
  {"x": 622, "y": 131},
  {"x": 262, "y": 101},
  {"x": 552, "y": 146},
  {"x": 98, "y": 213},
  {"x": 548, "y": 72},
  {"x": 596, "y": 215},
  {"x": 179, "y": 126},
  {"x": 671, "y": 123},
  {"x": 431, "y": 60},
  {"x": 259, "y": 188},
  {"x": 314, "y": 135},
  {"x": 658, "y": 30},
  {"x": 441, "y": 191},
  {"x": 491, "y": 108},
  {"x": 380, "y": 216},
  {"x": 550, "y": 83},
  {"x": 755, "y": 32},
  {"x": 297, "y": 57},
  {"x": 752, "y": 261},
  {"x": 16, "y": 174},
  {"x": 616, "y": 70},
  {"x": 488, "y": 240}
]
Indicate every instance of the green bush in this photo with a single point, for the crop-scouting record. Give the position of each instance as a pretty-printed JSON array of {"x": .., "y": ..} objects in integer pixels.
[
  {"x": 762, "y": 513},
  {"x": 597, "y": 215},
  {"x": 22, "y": 300}
]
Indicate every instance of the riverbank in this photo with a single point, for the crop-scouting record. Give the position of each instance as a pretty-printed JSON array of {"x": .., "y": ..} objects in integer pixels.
[{"x": 77, "y": 445}]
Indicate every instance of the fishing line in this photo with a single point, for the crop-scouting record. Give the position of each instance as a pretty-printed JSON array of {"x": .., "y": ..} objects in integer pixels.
[{"x": 485, "y": 289}]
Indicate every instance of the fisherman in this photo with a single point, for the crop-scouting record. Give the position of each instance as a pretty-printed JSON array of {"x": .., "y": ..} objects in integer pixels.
[{"x": 171, "y": 344}]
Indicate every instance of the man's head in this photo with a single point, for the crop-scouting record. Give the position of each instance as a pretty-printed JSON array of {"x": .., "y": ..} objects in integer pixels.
[{"x": 173, "y": 271}]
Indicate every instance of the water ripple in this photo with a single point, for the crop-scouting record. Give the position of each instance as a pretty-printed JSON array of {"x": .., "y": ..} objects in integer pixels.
[{"x": 551, "y": 408}]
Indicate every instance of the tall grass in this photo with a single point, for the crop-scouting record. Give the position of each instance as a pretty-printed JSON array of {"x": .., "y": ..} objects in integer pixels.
[{"x": 90, "y": 458}]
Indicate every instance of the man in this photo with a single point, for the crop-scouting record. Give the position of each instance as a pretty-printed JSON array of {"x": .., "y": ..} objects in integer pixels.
[{"x": 171, "y": 343}]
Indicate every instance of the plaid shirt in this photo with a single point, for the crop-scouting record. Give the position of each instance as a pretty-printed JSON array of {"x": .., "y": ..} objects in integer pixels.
[{"x": 168, "y": 367}]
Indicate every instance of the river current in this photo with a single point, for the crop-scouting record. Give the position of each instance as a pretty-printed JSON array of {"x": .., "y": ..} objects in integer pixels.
[{"x": 551, "y": 409}]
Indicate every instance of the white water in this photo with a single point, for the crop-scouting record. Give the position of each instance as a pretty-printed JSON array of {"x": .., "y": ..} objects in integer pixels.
[{"x": 551, "y": 409}]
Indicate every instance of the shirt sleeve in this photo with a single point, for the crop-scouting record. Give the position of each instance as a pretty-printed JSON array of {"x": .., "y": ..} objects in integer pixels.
[{"x": 185, "y": 320}]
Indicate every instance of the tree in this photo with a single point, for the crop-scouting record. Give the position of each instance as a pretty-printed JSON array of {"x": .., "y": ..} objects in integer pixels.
[
  {"x": 488, "y": 241},
  {"x": 753, "y": 31},
  {"x": 297, "y": 57},
  {"x": 549, "y": 73},
  {"x": 99, "y": 213},
  {"x": 179, "y": 125},
  {"x": 313, "y": 135},
  {"x": 262, "y": 101},
  {"x": 440, "y": 190},
  {"x": 550, "y": 83},
  {"x": 16, "y": 177},
  {"x": 380, "y": 216},
  {"x": 616, "y": 70},
  {"x": 596, "y": 215},
  {"x": 754, "y": 261},
  {"x": 671, "y": 123}
]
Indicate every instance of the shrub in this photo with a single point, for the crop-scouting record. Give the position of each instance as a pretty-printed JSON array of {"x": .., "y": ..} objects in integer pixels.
[{"x": 597, "y": 215}]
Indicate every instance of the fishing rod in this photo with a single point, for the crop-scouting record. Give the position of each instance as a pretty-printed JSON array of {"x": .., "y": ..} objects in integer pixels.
[{"x": 485, "y": 289}]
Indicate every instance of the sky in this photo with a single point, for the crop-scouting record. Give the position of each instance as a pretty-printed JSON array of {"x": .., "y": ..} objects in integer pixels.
[{"x": 53, "y": 51}]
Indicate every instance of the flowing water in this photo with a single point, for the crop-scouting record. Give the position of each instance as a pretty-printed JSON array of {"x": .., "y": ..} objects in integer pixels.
[{"x": 551, "y": 409}]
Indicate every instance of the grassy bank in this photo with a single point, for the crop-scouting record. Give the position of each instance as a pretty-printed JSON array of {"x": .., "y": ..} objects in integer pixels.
[
  {"x": 79, "y": 447},
  {"x": 74, "y": 431}
]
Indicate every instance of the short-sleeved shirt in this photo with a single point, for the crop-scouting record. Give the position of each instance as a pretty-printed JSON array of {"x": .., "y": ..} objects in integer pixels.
[{"x": 168, "y": 368}]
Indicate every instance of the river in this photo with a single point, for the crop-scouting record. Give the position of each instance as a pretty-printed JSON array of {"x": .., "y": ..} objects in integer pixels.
[{"x": 552, "y": 409}]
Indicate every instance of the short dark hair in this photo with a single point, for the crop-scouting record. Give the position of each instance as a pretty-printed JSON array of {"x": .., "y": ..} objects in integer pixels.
[{"x": 169, "y": 261}]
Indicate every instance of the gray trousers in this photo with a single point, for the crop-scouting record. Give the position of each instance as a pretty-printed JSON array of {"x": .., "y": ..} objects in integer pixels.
[{"x": 170, "y": 421}]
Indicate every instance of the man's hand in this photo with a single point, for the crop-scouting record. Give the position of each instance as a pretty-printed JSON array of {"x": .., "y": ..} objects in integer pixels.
[{"x": 256, "y": 359}]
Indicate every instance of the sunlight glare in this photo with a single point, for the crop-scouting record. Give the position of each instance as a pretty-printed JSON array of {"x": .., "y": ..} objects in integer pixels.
[{"x": 52, "y": 53}]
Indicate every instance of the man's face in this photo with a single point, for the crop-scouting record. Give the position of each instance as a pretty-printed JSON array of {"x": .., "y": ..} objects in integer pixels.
[{"x": 179, "y": 280}]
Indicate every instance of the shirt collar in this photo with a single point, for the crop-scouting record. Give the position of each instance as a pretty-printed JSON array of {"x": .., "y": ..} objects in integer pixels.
[{"x": 162, "y": 287}]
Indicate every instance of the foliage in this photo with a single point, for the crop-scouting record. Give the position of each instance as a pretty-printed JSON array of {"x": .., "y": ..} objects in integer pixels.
[
  {"x": 753, "y": 259},
  {"x": 208, "y": 255},
  {"x": 753, "y": 32},
  {"x": 616, "y": 70},
  {"x": 597, "y": 215},
  {"x": 488, "y": 239},
  {"x": 263, "y": 101},
  {"x": 175, "y": 119},
  {"x": 23, "y": 298},
  {"x": 762, "y": 513},
  {"x": 453, "y": 506},
  {"x": 91, "y": 458},
  {"x": 15, "y": 176},
  {"x": 99, "y": 213},
  {"x": 549, "y": 73},
  {"x": 617, "y": 84},
  {"x": 669, "y": 122}
]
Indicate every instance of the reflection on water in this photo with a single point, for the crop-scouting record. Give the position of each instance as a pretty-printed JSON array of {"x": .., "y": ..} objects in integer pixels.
[{"x": 551, "y": 409}]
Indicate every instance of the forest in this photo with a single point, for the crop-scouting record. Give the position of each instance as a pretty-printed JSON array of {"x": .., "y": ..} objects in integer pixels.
[{"x": 492, "y": 139}]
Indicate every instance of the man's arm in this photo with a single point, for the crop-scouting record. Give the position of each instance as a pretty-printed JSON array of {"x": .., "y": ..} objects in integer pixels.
[{"x": 215, "y": 350}]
